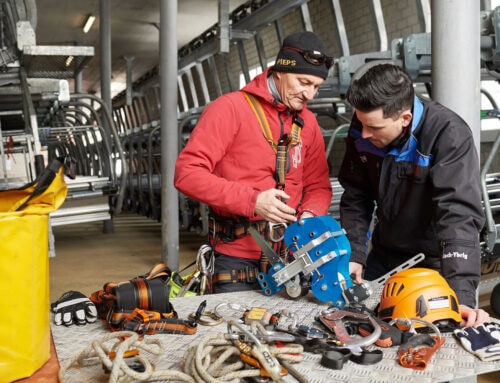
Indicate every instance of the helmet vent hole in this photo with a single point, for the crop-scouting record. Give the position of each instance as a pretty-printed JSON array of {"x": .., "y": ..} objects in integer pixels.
[
  {"x": 400, "y": 289},
  {"x": 454, "y": 304},
  {"x": 392, "y": 290}
]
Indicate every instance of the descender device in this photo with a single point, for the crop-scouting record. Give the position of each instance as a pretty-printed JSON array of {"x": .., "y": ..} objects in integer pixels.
[{"x": 318, "y": 260}]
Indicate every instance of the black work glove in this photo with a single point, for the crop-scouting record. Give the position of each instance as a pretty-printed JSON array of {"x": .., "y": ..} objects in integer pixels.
[{"x": 73, "y": 305}]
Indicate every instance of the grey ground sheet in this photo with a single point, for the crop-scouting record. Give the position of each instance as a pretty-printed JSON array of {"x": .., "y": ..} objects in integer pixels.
[{"x": 450, "y": 362}]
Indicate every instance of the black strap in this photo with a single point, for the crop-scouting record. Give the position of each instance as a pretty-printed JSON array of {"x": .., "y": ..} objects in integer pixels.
[
  {"x": 367, "y": 357},
  {"x": 43, "y": 181},
  {"x": 236, "y": 275},
  {"x": 335, "y": 359}
]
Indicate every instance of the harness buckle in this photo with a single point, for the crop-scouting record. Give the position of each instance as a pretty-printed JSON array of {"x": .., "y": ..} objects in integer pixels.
[{"x": 278, "y": 228}]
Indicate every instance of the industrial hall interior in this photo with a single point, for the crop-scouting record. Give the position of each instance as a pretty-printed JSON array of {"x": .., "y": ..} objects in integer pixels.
[{"x": 250, "y": 191}]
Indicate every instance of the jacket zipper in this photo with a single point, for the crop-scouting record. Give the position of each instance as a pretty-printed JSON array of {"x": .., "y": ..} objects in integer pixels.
[{"x": 463, "y": 242}]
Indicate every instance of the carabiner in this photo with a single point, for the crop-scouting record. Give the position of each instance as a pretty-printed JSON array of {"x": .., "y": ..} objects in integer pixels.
[{"x": 275, "y": 227}]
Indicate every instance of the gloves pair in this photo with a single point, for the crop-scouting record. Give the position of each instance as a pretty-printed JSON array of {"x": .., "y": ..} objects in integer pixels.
[
  {"x": 482, "y": 341},
  {"x": 73, "y": 307}
]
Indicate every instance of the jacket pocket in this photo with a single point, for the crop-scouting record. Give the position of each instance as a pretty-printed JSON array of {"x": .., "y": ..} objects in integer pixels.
[
  {"x": 412, "y": 172},
  {"x": 457, "y": 249}
]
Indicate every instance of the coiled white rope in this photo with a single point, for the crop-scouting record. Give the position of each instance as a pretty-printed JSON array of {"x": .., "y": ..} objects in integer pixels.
[
  {"x": 214, "y": 360},
  {"x": 98, "y": 352}
]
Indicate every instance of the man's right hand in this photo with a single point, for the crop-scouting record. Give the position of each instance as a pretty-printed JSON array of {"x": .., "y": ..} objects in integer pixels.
[
  {"x": 272, "y": 209},
  {"x": 356, "y": 269}
]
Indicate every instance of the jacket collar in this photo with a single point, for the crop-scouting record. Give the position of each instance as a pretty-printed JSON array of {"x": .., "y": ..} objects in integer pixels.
[{"x": 258, "y": 87}]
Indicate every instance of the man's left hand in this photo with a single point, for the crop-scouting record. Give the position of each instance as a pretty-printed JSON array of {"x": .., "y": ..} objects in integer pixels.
[{"x": 473, "y": 317}]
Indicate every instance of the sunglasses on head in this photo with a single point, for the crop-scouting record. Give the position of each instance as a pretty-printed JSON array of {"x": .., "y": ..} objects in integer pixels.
[{"x": 314, "y": 57}]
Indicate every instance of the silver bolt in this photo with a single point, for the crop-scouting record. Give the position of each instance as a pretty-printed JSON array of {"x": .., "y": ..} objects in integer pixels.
[
  {"x": 335, "y": 283},
  {"x": 276, "y": 267},
  {"x": 338, "y": 304},
  {"x": 323, "y": 287}
]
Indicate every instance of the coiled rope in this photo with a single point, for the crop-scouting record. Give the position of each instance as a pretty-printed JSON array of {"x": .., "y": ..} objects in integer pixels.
[{"x": 213, "y": 360}]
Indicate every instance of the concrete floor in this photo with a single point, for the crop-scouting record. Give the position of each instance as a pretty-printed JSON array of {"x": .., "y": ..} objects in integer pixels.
[{"x": 86, "y": 258}]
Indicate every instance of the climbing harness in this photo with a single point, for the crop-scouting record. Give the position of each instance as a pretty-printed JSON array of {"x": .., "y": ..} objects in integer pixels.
[
  {"x": 142, "y": 304},
  {"x": 152, "y": 322}
]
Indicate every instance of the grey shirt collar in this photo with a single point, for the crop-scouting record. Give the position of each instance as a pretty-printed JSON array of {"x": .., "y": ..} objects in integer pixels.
[{"x": 272, "y": 87}]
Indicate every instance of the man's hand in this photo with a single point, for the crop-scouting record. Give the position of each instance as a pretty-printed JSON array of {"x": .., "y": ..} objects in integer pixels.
[
  {"x": 473, "y": 317},
  {"x": 272, "y": 209},
  {"x": 356, "y": 269}
]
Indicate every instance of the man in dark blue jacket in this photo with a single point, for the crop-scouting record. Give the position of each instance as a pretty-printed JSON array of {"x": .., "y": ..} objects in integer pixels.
[{"x": 416, "y": 162}]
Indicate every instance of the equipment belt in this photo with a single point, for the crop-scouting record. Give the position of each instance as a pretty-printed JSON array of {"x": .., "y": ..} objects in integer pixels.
[
  {"x": 247, "y": 275},
  {"x": 227, "y": 229}
]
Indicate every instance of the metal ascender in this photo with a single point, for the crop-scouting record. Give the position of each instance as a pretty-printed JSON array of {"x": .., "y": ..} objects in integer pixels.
[{"x": 319, "y": 251}]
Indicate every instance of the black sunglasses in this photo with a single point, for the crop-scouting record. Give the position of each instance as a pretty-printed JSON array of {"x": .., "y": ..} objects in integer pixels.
[{"x": 314, "y": 57}]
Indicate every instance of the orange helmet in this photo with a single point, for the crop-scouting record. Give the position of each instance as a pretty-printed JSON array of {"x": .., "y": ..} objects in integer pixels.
[{"x": 418, "y": 293}]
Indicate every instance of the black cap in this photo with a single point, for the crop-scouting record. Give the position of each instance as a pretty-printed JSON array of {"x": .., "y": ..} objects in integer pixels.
[{"x": 293, "y": 61}]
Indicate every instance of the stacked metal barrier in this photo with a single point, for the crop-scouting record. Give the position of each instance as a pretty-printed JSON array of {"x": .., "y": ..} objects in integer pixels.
[{"x": 40, "y": 120}]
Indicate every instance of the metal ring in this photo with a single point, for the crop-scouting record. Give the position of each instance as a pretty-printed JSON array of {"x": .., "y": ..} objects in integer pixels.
[
  {"x": 216, "y": 319},
  {"x": 232, "y": 306}
]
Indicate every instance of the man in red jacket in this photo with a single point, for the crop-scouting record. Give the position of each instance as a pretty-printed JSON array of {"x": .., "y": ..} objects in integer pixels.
[{"x": 230, "y": 160}]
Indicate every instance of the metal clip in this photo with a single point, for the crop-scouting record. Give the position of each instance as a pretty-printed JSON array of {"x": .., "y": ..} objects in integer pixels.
[
  {"x": 410, "y": 323},
  {"x": 274, "y": 228},
  {"x": 334, "y": 321}
]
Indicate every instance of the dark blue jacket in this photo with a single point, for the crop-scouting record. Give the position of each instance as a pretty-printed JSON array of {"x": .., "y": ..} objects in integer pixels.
[{"x": 427, "y": 195}]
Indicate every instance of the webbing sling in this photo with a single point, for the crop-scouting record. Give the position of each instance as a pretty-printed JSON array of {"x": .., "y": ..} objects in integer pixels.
[{"x": 284, "y": 143}]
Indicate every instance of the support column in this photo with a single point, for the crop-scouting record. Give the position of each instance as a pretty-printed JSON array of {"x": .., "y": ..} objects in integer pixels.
[
  {"x": 169, "y": 134},
  {"x": 79, "y": 83},
  {"x": 78, "y": 77},
  {"x": 128, "y": 92},
  {"x": 105, "y": 50},
  {"x": 456, "y": 39}
]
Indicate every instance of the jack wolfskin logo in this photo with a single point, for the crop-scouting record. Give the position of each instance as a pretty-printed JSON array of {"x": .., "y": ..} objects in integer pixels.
[{"x": 455, "y": 254}]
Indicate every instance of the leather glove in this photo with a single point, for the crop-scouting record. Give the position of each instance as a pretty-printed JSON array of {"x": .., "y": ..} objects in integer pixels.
[
  {"x": 482, "y": 341},
  {"x": 73, "y": 305}
]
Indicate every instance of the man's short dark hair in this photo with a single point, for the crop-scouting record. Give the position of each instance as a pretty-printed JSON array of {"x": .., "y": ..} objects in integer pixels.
[{"x": 383, "y": 86}]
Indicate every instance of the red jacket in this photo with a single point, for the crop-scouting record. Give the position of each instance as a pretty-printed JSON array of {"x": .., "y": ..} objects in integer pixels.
[{"x": 227, "y": 161}]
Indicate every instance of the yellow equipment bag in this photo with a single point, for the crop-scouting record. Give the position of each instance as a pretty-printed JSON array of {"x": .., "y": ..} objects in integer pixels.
[{"x": 24, "y": 272}]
